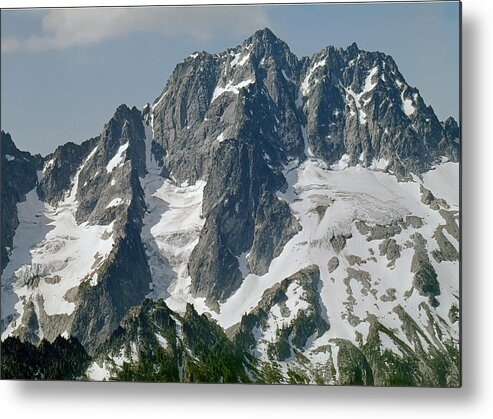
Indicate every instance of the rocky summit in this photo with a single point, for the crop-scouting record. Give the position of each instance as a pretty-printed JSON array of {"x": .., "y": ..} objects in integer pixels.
[{"x": 267, "y": 219}]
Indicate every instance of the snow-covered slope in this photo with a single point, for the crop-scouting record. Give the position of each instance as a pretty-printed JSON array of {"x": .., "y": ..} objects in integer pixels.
[
  {"x": 52, "y": 254},
  {"x": 172, "y": 225},
  {"x": 330, "y": 204}
]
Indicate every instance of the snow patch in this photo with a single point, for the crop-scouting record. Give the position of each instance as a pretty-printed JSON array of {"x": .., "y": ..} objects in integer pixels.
[
  {"x": 163, "y": 342},
  {"x": 299, "y": 99},
  {"x": 342, "y": 164},
  {"x": 48, "y": 165},
  {"x": 356, "y": 99},
  {"x": 407, "y": 105},
  {"x": 94, "y": 280},
  {"x": 117, "y": 159},
  {"x": 171, "y": 230},
  {"x": 243, "y": 263},
  {"x": 115, "y": 202},
  {"x": 443, "y": 181},
  {"x": 305, "y": 85},
  {"x": 220, "y": 138},
  {"x": 97, "y": 372},
  {"x": 380, "y": 164},
  {"x": 230, "y": 87},
  {"x": 308, "y": 150},
  {"x": 286, "y": 77},
  {"x": 238, "y": 61},
  {"x": 156, "y": 104}
]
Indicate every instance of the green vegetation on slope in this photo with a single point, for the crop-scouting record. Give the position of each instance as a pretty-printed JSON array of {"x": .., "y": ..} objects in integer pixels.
[{"x": 64, "y": 359}]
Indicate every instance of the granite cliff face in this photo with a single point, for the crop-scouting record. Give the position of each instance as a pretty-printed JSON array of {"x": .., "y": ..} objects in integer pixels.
[
  {"x": 238, "y": 118},
  {"x": 339, "y": 101},
  {"x": 19, "y": 176},
  {"x": 306, "y": 208}
]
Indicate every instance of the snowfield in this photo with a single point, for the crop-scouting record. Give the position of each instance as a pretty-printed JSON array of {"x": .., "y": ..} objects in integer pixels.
[
  {"x": 328, "y": 202},
  {"x": 171, "y": 230},
  {"x": 345, "y": 195},
  {"x": 51, "y": 256}
]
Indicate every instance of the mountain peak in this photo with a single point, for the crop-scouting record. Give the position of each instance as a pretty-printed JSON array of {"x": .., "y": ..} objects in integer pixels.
[
  {"x": 264, "y": 34},
  {"x": 266, "y": 40},
  {"x": 451, "y": 121},
  {"x": 353, "y": 49},
  {"x": 124, "y": 112},
  {"x": 6, "y": 140}
]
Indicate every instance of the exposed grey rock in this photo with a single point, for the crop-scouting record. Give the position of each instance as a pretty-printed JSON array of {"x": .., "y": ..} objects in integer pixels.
[
  {"x": 242, "y": 214},
  {"x": 425, "y": 277},
  {"x": 18, "y": 177},
  {"x": 338, "y": 242},
  {"x": 60, "y": 169},
  {"x": 414, "y": 221},
  {"x": 309, "y": 322},
  {"x": 98, "y": 186},
  {"x": 362, "y": 276},
  {"x": 453, "y": 313},
  {"x": 29, "y": 325},
  {"x": 451, "y": 222},
  {"x": 346, "y": 130},
  {"x": 379, "y": 232},
  {"x": 355, "y": 260},
  {"x": 389, "y": 296},
  {"x": 391, "y": 250},
  {"x": 123, "y": 282},
  {"x": 426, "y": 196},
  {"x": 446, "y": 251},
  {"x": 125, "y": 277},
  {"x": 429, "y": 199},
  {"x": 452, "y": 133},
  {"x": 362, "y": 227},
  {"x": 275, "y": 225},
  {"x": 333, "y": 264}
]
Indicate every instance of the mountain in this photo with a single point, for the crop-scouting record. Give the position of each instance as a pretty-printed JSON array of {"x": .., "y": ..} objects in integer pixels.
[
  {"x": 18, "y": 172},
  {"x": 78, "y": 263},
  {"x": 266, "y": 219},
  {"x": 155, "y": 344}
]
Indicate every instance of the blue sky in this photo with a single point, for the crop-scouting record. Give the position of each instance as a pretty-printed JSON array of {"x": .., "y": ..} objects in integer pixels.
[{"x": 64, "y": 71}]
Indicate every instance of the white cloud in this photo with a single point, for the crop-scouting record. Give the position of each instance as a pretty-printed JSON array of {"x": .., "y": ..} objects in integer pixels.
[
  {"x": 64, "y": 28},
  {"x": 10, "y": 45}
]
